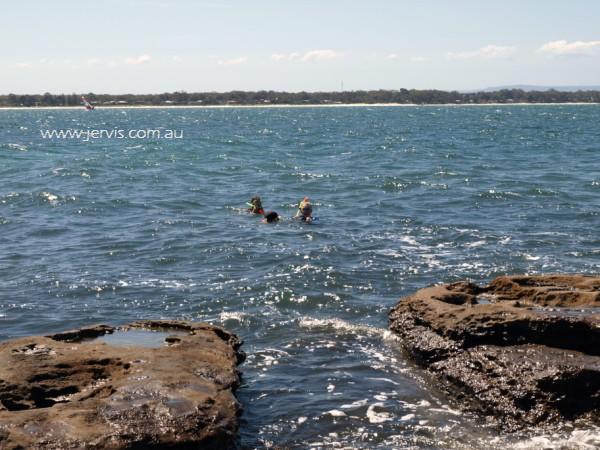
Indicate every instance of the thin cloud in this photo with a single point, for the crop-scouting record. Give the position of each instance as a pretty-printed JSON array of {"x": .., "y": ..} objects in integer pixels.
[
  {"x": 563, "y": 47},
  {"x": 320, "y": 55},
  {"x": 392, "y": 56},
  {"x": 487, "y": 52},
  {"x": 232, "y": 61},
  {"x": 419, "y": 59},
  {"x": 311, "y": 55},
  {"x": 23, "y": 65},
  {"x": 142, "y": 59},
  {"x": 279, "y": 56}
]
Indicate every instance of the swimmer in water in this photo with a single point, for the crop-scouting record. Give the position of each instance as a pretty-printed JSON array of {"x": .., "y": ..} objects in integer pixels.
[
  {"x": 304, "y": 211},
  {"x": 271, "y": 217},
  {"x": 255, "y": 205}
]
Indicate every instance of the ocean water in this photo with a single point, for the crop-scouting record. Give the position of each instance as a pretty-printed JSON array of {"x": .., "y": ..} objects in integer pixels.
[{"x": 113, "y": 230}]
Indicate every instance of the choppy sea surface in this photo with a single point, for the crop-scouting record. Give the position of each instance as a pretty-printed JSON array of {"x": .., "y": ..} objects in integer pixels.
[{"x": 113, "y": 230}]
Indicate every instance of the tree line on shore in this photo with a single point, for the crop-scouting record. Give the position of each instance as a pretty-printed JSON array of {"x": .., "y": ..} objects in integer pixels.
[{"x": 405, "y": 96}]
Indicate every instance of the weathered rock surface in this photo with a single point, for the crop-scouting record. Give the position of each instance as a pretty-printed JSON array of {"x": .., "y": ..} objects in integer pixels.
[
  {"x": 70, "y": 391},
  {"x": 524, "y": 350}
]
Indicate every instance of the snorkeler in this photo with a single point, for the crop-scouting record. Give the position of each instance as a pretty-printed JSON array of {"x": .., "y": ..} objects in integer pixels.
[
  {"x": 271, "y": 217},
  {"x": 255, "y": 205},
  {"x": 304, "y": 211}
]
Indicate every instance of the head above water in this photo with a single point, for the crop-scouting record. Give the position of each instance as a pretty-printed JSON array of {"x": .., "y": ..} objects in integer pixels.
[
  {"x": 305, "y": 201},
  {"x": 255, "y": 205},
  {"x": 271, "y": 217}
]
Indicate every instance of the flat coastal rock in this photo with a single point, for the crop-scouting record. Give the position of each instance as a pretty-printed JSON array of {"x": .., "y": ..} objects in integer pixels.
[
  {"x": 170, "y": 387},
  {"x": 522, "y": 351}
]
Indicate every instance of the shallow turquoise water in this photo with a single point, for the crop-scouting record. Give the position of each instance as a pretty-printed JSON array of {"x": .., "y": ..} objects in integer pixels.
[{"x": 113, "y": 230}]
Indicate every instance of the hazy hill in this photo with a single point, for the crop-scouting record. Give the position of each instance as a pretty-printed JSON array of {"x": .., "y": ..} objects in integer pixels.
[{"x": 530, "y": 87}]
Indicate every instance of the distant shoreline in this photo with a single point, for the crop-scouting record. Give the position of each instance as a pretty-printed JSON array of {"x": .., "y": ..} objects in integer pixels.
[
  {"x": 280, "y": 99},
  {"x": 338, "y": 105}
]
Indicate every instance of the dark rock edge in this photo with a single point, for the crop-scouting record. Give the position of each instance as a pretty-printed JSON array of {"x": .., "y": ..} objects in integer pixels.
[{"x": 510, "y": 351}]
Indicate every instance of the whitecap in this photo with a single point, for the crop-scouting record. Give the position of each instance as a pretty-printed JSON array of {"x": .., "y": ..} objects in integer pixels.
[
  {"x": 20, "y": 147},
  {"x": 387, "y": 380},
  {"x": 356, "y": 404},
  {"x": 475, "y": 244},
  {"x": 50, "y": 197},
  {"x": 408, "y": 240},
  {"x": 377, "y": 417},
  {"x": 577, "y": 439},
  {"x": 342, "y": 325},
  {"x": 335, "y": 297},
  {"x": 446, "y": 409},
  {"x": 232, "y": 315},
  {"x": 300, "y": 299}
]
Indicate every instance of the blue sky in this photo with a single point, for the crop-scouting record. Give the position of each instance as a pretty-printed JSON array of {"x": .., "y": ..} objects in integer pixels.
[{"x": 142, "y": 46}]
